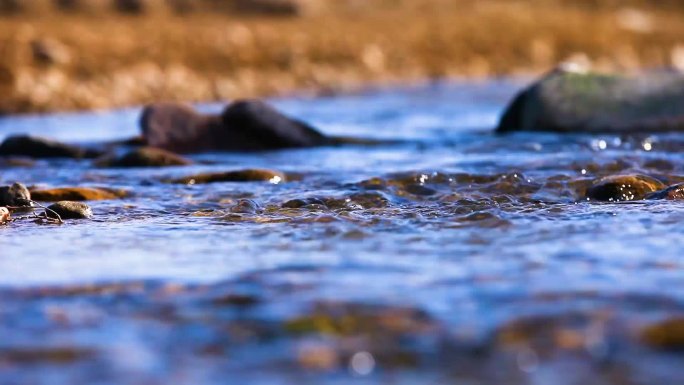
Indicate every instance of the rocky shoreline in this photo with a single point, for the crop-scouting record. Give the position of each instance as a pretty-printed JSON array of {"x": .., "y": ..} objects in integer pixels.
[{"x": 62, "y": 60}]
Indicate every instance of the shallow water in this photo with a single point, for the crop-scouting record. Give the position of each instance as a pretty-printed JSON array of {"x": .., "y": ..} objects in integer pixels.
[{"x": 452, "y": 254}]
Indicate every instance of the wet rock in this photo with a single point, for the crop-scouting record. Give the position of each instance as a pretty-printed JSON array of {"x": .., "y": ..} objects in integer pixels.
[
  {"x": 249, "y": 175},
  {"x": 45, "y": 355},
  {"x": 245, "y": 206},
  {"x": 667, "y": 335},
  {"x": 247, "y": 125},
  {"x": 299, "y": 203},
  {"x": 144, "y": 157},
  {"x": 17, "y": 162},
  {"x": 567, "y": 101},
  {"x": 623, "y": 188},
  {"x": 16, "y": 195},
  {"x": 35, "y": 147},
  {"x": 4, "y": 215},
  {"x": 237, "y": 300},
  {"x": 675, "y": 192},
  {"x": 70, "y": 210},
  {"x": 77, "y": 194},
  {"x": 345, "y": 318},
  {"x": 356, "y": 201},
  {"x": 369, "y": 200},
  {"x": 420, "y": 190},
  {"x": 549, "y": 334}
]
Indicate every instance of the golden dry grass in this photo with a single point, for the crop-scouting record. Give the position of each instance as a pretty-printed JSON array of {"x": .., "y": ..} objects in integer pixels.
[{"x": 65, "y": 61}]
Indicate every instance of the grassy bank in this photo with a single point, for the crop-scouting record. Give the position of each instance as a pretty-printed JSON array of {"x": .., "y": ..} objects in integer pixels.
[{"x": 52, "y": 60}]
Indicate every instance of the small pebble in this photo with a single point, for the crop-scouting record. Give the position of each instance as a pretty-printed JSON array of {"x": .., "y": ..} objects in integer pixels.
[{"x": 4, "y": 215}]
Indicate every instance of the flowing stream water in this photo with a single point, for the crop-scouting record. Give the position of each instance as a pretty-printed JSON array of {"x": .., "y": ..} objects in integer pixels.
[{"x": 450, "y": 254}]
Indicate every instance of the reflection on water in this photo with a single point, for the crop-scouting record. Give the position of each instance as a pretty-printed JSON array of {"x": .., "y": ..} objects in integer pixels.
[{"x": 453, "y": 254}]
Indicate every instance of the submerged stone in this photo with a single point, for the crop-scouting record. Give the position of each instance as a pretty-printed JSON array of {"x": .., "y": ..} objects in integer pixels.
[
  {"x": 246, "y": 125},
  {"x": 70, "y": 210},
  {"x": 35, "y": 147},
  {"x": 566, "y": 101},
  {"x": 16, "y": 162},
  {"x": 674, "y": 192},
  {"x": 16, "y": 195},
  {"x": 77, "y": 194},
  {"x": 667, "y": 335},
  {"x": 145, "y": 157},
  {"x": 248, "y": 175},
  {"x": 623, "y": 188},
  {"x": 303, "y": 202},
  {"x": 245, "y": 206}
]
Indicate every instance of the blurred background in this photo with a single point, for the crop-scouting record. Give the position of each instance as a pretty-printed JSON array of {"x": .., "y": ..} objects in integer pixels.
[{"x": 92, "y": 54}]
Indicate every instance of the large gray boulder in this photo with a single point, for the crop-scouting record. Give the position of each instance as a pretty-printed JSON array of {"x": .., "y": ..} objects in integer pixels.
[{"x": 574, "y": 102}]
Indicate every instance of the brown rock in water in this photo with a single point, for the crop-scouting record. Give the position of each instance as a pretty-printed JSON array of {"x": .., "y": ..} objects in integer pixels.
[
  {"x": 4, "y": 215},
  {"x": 77, "y": 194},
  {"x": 245, "y": 206},
  {"x": 34, "y": 147},
  {"x": 70, "y": 210},
  {"x": 674, "y": 192},
  {"x": 16, "y": 195},
  {"x": 249, "y": 175},
  {"x": 247, "y": 125},
  {"x": 623, "y": 188},
  {"x": 667, "y": 335},
  {"x": 567, "y": 101},
  {"x": 16, "y": 162},
  {"x": 145, "y": 157}
]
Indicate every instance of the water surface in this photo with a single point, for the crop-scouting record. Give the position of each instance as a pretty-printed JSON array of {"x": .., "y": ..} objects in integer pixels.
[{"x": 453, "y": 254}]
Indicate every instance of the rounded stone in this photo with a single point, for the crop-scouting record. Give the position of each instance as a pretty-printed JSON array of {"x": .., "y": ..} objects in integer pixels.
[
  {"x": 623, "y": 188},
  {"x": 70, "y": 210},
  {"x": 247, "y": 175},
  {"x": 571, "y": 101},
  {"x": 667, "y": 335},
  {"x": 77, "y": 194},
  {"x": 16, "y": 195},
  {"x": 35, "y": 147}
]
